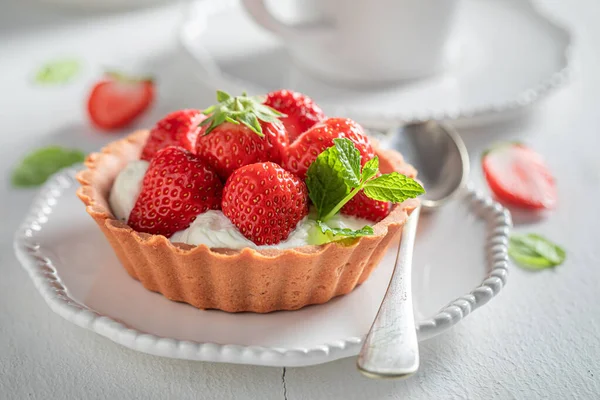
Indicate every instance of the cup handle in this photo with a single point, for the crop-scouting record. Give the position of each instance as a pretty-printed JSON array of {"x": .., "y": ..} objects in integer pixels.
[{"x": 262, "y": 16}]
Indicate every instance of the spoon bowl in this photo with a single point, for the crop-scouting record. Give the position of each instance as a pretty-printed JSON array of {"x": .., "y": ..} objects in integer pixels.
[{"x": 439, "y": 155}]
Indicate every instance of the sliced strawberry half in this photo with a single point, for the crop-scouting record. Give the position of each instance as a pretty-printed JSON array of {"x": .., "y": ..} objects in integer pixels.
[
  {"x": 180, "y": 128},
  {"x": 518, "y": 176},
  {"x": 118, "y": 100}
]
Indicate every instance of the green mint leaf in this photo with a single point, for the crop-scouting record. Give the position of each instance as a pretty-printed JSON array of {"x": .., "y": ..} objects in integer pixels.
[
  {"x": 325, "y": 181},
  {"x": 39, "y": 165},
  {"x": 370, "y": 169},
  {"x": 58, "y": 72},
  {"x": 393, "y": 187},
  {"x": 535, "y": 252},
  {"x": 349, "y": 157},
  {"x": 345, "y": 232},
  {"x": 323, "y": 233}
]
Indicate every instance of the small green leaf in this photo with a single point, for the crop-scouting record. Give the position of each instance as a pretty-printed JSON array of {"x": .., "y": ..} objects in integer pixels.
[
  {"x": 370, "y": 169},
  {"x": 345, "y": 232},
  {"x": 58, "y": 72},
  {"x": 208, "y": 111},
  {"x": 325, "y": 181},
  {"x": 233, "y": 121},
  {"x": 251, "y": 122},
  {"x": 39, "y": 165},
  {"x": 349, "y": 156},
  {"x": 243, "y": 109},
  {"x": 535, "y": 252},
  {"x": 323, "y": 233},
  {"x": 222, "y": 96},
  {"x": 393, "y": 187}
]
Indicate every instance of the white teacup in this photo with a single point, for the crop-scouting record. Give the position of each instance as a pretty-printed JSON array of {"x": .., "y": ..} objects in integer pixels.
[{"x": 365, "y": 41}]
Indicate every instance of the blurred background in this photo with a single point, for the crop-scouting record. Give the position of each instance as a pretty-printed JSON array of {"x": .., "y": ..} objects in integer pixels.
[{"x": 505, "y": 70}]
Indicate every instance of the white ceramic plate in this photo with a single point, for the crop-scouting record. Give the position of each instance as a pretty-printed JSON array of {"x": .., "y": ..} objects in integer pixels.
[
  {"x": 458, "y": 268},
  {"x": 507, "y": 56}
]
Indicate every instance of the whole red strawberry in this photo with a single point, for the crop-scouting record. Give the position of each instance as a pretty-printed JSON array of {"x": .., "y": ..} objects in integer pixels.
[
  {"x": 176, "y": 188},
  {"x": 265, "y": 202},
  {"x": 313, "y": 142},
  {"x": 300, "y": 110},
  {"x": 361, "y": 206},
  {"x": 180, "y": 128},
  {"x": 240, "y": 131}
]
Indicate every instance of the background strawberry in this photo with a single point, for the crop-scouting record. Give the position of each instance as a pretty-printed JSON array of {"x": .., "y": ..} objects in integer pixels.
[
  {"x": 180, "y": 128},
  {"x": 361, "y": 206},
  {"x": 300, "y": 110},
  {"x": 518, "y": 176},
  {"x": 265, "y": 202},
  {"x": 313, "y": 142},
  {"x": 240, "y": 131},
  {"x": 176, "y": 188},
  {"x": 118, "y": 100}
]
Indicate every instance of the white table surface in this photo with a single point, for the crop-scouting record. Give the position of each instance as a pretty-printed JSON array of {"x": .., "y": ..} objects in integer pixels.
[{"x": 539, "y": 339}]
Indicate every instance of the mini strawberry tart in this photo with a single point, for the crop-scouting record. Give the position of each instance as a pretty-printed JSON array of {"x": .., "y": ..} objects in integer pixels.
[{"x": 254, "y": 204}]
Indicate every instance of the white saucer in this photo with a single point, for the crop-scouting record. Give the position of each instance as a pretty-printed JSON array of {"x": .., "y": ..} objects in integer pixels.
[
  {"x": 460, "y": 264},
  {"x": 508, "y": 55}
]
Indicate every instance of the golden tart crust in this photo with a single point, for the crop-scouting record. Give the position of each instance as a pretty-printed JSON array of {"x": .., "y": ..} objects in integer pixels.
[{"x": 235, "y": 280}]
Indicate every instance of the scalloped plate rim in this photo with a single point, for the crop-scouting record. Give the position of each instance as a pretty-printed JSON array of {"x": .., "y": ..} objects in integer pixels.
[
  {"x": 48, "y": 283},
  {"x": 524, "y": 99}
]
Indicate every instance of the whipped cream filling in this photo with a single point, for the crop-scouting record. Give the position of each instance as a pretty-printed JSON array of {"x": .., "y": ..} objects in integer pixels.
[
  {"x": 126, "y": 188},
  {"x": 212, "y": 228}
]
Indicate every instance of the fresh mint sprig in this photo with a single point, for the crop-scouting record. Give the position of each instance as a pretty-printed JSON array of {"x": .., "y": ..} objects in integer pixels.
[
  {"x": 533, "y": 251},
  {"x": 335, "y": 177}
]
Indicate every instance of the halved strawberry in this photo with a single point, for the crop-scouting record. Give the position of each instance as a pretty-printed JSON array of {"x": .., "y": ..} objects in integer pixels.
[
  {"x": 176, "y": 188},
  {"x": 313, "y": 142},
  {"x": 118, "y": 100},
  {"x": 518, "y": 176},
  {"x": 240, "y": 131},
  {"x": 300, "y": 110},
  {"x": 180, "y": 128},
  {"x": 265, "y": 202}
]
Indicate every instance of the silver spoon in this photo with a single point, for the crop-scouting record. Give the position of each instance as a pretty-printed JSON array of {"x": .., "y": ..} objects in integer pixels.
[{"x": 391, "y": 349}]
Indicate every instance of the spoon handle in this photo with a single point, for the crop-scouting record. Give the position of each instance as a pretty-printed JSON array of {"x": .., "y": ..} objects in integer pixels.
[{"x": 391, "y": 348}]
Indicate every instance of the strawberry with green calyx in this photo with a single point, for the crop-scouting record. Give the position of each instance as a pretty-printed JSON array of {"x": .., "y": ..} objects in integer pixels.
[
  {"x": 336, "y": 177},
  {"x": 240, "y": 131},
  {"x": 119, "y": 99}
]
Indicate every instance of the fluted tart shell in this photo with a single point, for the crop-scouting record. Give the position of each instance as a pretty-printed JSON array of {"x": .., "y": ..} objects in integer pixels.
[{"x": 235, "y": 280}]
